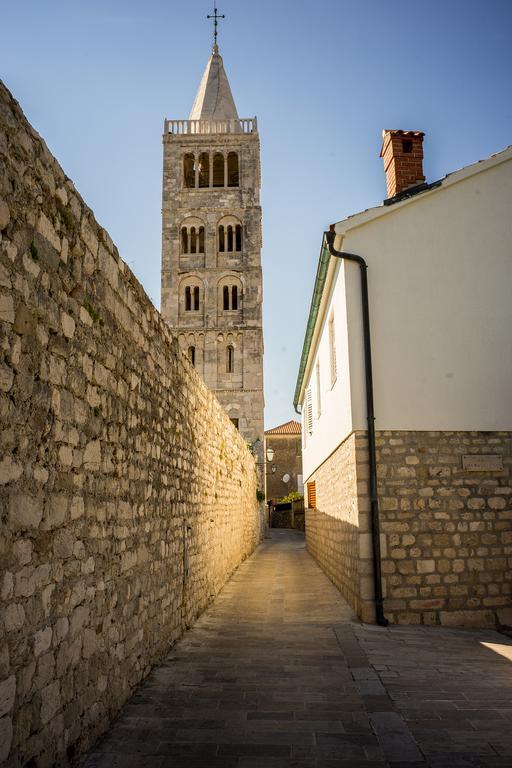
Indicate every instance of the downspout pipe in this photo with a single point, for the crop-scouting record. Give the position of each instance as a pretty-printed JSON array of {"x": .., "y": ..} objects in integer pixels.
[{"x": 370, "y": 418}]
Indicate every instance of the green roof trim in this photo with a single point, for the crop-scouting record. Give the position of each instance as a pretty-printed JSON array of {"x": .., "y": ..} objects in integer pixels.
[{"x": 318, "y": 290}]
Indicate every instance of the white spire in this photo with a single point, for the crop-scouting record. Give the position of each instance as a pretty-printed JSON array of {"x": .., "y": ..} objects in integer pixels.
[{"x": 214, "y": 100}]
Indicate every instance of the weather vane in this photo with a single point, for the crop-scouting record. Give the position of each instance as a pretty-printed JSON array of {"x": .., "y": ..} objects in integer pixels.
[{"x": 215, "y": 16}]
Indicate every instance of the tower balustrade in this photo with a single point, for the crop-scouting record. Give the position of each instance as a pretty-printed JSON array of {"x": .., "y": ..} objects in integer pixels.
[{"x": 234, "y": 125}]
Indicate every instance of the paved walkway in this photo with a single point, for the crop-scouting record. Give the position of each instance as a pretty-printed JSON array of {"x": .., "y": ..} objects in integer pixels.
[{"x": 279, "y": 673}]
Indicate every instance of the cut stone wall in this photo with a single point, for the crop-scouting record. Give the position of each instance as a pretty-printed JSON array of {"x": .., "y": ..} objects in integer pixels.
[
  {"x": 337, "y": 531},
  {"x": 446, "y": 532},
  {"x": 127, "y": 497}
]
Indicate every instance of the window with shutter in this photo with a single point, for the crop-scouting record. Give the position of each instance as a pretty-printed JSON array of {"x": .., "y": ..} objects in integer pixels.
[
  {"x": 309, "y": 411},
  {"x": 312, "y": 495},
  {"x": 318, "y": 391},
  {"x": 332, "y": 350}
]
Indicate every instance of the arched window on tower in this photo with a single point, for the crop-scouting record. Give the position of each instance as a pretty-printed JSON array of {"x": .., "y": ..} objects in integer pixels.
[
  {"x": 230, "y": 358},
  {"x": 193, "y": 240},
  {"x": 204, "y": 169},
  {"x": 191, "y": 352},
  {"x": 234, "y": 297},
  {"x": 201, "y": 240},
  {"x": 189, "y": 173},
  {"x": 184, "y": 240},
  {"x": 188, "y": 298},
  {"x": 225, "y": 297},
  {"x": 230, "y": 239},
  {"x": 233, "y": 174},
  {"x": 196, "y": 297},
  {"x": 222, "y": 242},
  {"x": 238, "y": 238},
  {"x": 218, "y": 170}
]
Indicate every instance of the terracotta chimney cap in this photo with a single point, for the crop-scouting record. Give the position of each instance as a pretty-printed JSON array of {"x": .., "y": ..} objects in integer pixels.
[
  {"x": 398, "y": 132},
  {"x": 402, "y": 152}
]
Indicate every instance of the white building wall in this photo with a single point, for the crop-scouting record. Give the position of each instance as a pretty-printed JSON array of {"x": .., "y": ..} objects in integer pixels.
[
  {"x": 440, "y": 279},
  {"x": 335, "y": 418},
  {"x": 440, "y": 286}
]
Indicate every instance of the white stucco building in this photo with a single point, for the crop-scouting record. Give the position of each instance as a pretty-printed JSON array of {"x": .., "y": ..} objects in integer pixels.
[{"x": 439, "y": 262}]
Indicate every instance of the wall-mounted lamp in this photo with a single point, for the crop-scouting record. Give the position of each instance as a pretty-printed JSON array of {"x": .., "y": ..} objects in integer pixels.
[{"x": 270, "y": 454}]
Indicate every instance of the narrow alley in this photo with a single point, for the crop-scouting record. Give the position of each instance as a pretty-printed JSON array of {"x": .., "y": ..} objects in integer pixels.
[{"x": 278, "y": 673}]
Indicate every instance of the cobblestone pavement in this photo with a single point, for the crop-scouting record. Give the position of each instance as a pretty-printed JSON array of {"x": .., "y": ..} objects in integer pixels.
[{"x": 279, "y": 673}]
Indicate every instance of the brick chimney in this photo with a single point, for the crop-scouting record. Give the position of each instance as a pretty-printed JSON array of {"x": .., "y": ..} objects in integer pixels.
[{"x": 402, "y": 152}]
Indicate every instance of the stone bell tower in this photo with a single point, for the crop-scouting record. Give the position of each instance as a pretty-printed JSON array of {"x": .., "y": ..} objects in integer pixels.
[{"x": 211, "y": 243}]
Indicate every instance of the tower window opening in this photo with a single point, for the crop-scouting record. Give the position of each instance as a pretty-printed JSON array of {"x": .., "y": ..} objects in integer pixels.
[
  {"x": 230, "y": 358},
  {"x": 222, "y": 243},
  {"x": 188, "y": 298},
  {"x": 233, "y": 174},
  {"x": 192, "y": 355},
  {"x": 407, "y": 146},
  {"x": 238, "y": 238},
  {"x": 189, "y": 173},
  {"x": 204, "y": 170},
  {"x": 235, "y": 422},
  {"x": 225, "y": 294},
  {"x": 218, "y": 170},
  {"x": 184, "y": 240},
  {"x": 230, "y": 238},
  {"x": 193, "y": 240},
  {"x": 196, "y": 297},
  {"x": 234, "y": 297},
  {"x": 201, "y": 240}
]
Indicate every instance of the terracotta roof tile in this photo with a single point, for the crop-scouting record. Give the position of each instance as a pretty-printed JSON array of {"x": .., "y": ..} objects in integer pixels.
[{"x": 289, "y": 428}]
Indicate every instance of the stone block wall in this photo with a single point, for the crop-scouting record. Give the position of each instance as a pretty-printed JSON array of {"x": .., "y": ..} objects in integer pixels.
[
  {"x": 448, "y": 530},
  {"x": 127, "y": 497},
  {"x": 337, "y": 531}
]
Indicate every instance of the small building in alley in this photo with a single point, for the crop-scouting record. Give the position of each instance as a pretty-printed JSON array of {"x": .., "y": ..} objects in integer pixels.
[
  {"x": 283, "y": 454},
  {"x": 438, "y": 259}
]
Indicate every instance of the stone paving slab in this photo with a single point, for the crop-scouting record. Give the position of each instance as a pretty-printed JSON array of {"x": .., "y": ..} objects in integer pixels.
[{"x": 278, "y": 673}]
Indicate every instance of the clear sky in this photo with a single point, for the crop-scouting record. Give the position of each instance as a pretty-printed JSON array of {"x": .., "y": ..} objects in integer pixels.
[{"x": 97, "y": 78}]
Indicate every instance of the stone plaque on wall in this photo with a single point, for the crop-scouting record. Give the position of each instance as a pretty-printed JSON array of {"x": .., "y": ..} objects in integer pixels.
[{"x": 482, "y": 462}]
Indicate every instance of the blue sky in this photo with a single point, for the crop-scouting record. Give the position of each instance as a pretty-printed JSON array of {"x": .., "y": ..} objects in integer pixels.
[{"x": 96, "y": 79}]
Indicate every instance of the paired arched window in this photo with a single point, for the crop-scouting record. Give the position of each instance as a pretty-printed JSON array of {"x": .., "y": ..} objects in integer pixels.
[
  {"x": 191, "y": 353},
  {"x": 192, "y": 298},
  {"x": 230, "y": 297},
  {"x": 192, "y": 239},
  {"x": 211, "y": 170},
  {"x": 230, "y": 238}
]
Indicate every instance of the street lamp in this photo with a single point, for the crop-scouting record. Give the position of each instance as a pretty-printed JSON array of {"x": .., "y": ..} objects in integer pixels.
[{"x": 270, "y": 454}]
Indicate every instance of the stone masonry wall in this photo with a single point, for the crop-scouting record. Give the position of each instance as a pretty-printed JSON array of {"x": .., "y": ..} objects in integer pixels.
[
  {"x": 126, "y": 495},
  {"x": 448, "y": 530},
  {"x": 337, "y": 531}
]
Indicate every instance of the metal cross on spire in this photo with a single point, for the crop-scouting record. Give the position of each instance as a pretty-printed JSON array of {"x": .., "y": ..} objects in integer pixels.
[{"x": 215, "y": 16}]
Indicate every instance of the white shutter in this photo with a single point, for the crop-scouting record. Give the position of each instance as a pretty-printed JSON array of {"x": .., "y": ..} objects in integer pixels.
[
  {"x": 332, "y": 349},
  {"x": 309, "y": 411}
]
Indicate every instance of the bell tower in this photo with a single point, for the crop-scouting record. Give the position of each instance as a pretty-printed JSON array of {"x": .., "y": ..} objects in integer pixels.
[{"x": 211, "y": 244}]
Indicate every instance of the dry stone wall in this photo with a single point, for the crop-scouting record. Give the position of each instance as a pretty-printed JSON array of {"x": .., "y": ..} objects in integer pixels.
[{"x": 126, "y": 495}]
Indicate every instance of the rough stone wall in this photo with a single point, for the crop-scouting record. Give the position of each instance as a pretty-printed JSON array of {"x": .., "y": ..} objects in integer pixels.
[
  {"x": 126, "y": 495},
  {"x": 287, "y": 460},
  {"x": 448, "y": 530},
  {"x": 337, "y": 531}
]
